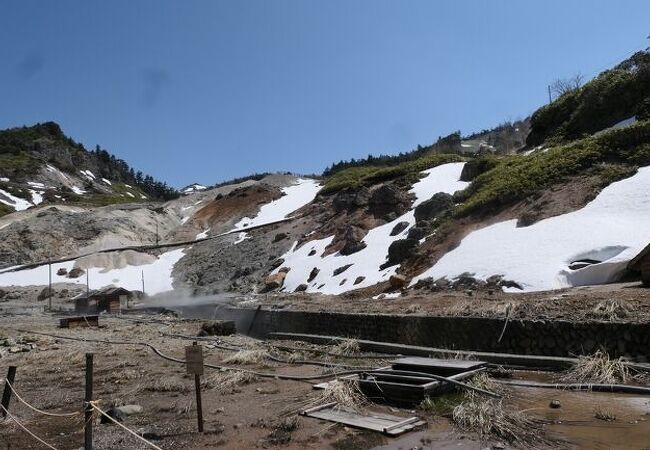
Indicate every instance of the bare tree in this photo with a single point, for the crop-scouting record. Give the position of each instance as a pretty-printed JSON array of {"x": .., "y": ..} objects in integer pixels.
[{"x": 560, "y": 87}]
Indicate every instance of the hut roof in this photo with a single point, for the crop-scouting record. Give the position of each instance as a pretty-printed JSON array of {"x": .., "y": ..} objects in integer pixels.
[{"x": 104, "y": 292}]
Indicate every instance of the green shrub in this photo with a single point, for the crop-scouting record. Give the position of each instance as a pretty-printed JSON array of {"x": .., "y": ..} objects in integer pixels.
[
  {"x": 407, "y": 172},
  {"x": 612, "y": 155}
]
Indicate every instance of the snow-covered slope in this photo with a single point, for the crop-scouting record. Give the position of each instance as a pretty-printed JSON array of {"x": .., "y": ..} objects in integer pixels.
[
  {"x": 294, "y": 198},
  {"x": 157, "y": 275},
  {"x": 365, "y": 263},
  {"x": 611, "y": 229}
]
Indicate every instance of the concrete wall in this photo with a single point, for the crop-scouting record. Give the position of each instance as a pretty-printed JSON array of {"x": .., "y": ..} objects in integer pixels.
[{"x": 556, "y": 338}]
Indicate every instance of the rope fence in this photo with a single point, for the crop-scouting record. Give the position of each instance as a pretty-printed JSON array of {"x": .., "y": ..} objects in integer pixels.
[{"x": 25, "y": 429}]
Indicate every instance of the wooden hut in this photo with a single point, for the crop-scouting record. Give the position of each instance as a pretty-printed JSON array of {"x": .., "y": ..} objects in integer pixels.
[
  {"x": 110, "y": 300},
  {"x": 641, "y": 263}
]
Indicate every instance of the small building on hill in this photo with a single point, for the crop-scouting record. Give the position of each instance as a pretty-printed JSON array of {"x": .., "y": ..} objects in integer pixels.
[
  {"x": 109, "y": 299},
  {"x": 641, "y": 263}
]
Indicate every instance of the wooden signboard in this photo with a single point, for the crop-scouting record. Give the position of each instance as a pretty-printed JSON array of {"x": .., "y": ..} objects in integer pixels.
[{"x": 194, "y": 359}]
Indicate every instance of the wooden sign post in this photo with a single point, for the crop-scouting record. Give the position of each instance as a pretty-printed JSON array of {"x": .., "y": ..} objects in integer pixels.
[{"x": 194, "y": 365}]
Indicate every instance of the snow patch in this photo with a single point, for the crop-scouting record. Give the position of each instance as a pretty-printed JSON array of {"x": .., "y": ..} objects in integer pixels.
[
  {"x": 4, "y": 179},
  {"x": 538, "y": 257},
  {"x": 157, "y": 275},
  {"x": 241, "y": 237},
  {"x": 296, "y": 196},
  {"x": 17, "y": 203},
  {"x": 37, "y": 197},
  {"x": 130, "y": 195},
  {"x": 203, "y": 234},
  {"x": 77, "y": 190},
  {"x": 107, "y": 181},
  {"x": 365, "y": 263}
]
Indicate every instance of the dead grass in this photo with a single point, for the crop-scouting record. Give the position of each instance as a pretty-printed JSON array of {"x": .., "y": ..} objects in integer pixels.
[
  {"x": 226, "y": 382},
  {"x": 168, "y": 384},
  {"x": 246, "y": 357},
  {"x": 347, "y": 347},
  {"x": 489, "y": 417},
  {"x": 604, "y": 414},
  {"x": 598, "y": 368},
  {"x": 612, "y": 310},
  {"x": 344, "y": 392}
]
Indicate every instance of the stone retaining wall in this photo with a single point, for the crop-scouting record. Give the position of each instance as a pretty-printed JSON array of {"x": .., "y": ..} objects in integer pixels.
[{"x": 535, "y": 337}]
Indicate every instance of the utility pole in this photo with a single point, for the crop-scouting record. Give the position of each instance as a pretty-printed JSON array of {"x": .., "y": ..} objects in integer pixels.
[
  {"x": 88, "y": 409},
  {"x": 49, "y": 288},
  {"x": 143, "y": 282},
  {"x": 87, "y": 281},
  {"x": 550, "y": 100}
]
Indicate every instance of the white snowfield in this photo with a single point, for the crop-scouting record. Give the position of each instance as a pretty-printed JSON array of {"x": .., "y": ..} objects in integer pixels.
[
  {"x": 157, "y": 275},
  {"x": 294, "y": 198},
  {"x": 611, "y": 229},
  {"x": 365, "y": 263},
  {"x": 17, "y": 203}
]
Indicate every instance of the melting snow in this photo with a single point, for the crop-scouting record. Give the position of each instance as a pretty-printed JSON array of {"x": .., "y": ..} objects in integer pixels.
[
  {"x": 130, "y": 195},
  {"x": 37, "y": 197},
  {"x": 107, "y": 181},
  {"x": 36, "y": 185},
  {"x": 609, "y": 229},
  {"x": 88, "y": 174},
  {"x": 77, "y": 190},
  {"x": 296, "y": 196},
  {"x": 157, "y": 275},
  {"x": 17, "y": 203},
  {"x": 365, "y": 263},
  {"x": 203, "y": 234},
  {"x": 4, "y": 179},
  {"x": 241, "y": 237}
]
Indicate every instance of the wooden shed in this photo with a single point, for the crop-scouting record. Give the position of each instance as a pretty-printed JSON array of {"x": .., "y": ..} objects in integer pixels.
[
  {"x": 641, "y": 263},
  {"x": 110, "y": 299}
]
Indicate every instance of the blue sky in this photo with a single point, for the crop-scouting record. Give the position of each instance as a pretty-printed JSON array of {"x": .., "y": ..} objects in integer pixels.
[{"x": 209, "y": 90}]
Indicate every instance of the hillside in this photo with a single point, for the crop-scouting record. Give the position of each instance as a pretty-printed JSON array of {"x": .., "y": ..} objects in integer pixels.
[
  {"x": 507, "y": 207},
  {"x": 40, "y": 164}
]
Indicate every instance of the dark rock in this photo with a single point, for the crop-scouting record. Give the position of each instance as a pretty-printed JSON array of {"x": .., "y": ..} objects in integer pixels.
[
  {"x": 311, "y": 253},
  {"x": 359, "y": 280},
  {"x": 313, "y": 274},
  {"x": 388, "y": 201},
  {"x": 280, "y": 236},
  {"x": 274, "y": 281},
  {"x": 218, "y": 328},
  {"x": 555, "y": 404},
  {"x": 62, "y": 271},
  {"x": 284, "y": 270},
  {"x": 437, "y": 204},
  {"x": 417, "y": 233},
  {"x": 494, "y": 280},
  {"x": 44, "y": 294},
  {"x": 424, "y": 283},
  {"x": 277, "y": 263},
  {"x": 343, "y": 281},
  {"x": 401, "y": 249},
  {"x": 351, "y": 198},
  {"x": 341, "y": 269},
  {"x": 353, "y": 241},
  {"x": 76, "y": 272},
  {"x": 398, "y": 228},
  {"x": 398, "y": 281},
  {"x": 301, "y": 287}
]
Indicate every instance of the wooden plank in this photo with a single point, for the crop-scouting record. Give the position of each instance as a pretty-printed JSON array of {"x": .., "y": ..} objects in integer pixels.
[{"x": 391, "y": 425}]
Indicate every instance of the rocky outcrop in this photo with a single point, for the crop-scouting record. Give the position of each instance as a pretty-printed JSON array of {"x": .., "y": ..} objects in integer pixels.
[
  {"x": 436, "y": 205},
  {"x": 400, "y": 250},
  {"x": 274, "y": 281},
  {"x": 353, "y": 241},
  {"x": 388, "y": 202},
  {"x": 398, "y": 281},
  {"x": 398, "y": 228},
  {"x": 351, "y": 198}
]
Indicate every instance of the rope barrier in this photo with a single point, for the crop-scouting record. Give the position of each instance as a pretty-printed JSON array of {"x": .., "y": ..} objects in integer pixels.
[
  {"x": 33, "y": 408},
  {"x": 26, "y": 430},
  {"x": 150, "y": 444}
]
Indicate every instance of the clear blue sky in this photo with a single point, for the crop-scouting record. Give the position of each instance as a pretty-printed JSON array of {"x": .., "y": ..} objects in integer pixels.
[{"x": 209, "y": 90}]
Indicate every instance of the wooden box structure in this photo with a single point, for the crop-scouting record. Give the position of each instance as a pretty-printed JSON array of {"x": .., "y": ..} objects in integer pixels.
[
  {"x": 408, "y": 380},
  {"x": 79, "y": 322},
  {"x": 110, "y": 300}
]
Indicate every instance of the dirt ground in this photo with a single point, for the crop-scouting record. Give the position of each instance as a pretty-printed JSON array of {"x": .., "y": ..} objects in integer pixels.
[
  {"x": 627, "y": 302},
  {"x": 258, "y": 414}
]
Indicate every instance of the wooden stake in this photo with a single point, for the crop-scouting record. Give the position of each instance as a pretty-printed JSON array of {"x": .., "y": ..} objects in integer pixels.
[
  {"x": 88, "y": 410},
  {"x": 49, "y": 289},
  {"x": 6, "y": 395},
  {"x": 199, "y": 406}
]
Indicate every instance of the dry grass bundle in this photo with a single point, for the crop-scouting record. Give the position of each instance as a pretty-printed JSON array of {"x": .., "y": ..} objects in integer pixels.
[
  {"x": 347, "y": 347},
  {"x": 612, "y": 310},
  {"x": 604, "y": 414},
  {"x": 344, "y": 392},
  {"x": 490, "y": 417},
  {"x": 168, "y": 385},
  {"x": 598, "y": 368},
  {"x": 225, "y": 382},
  {"x": 248, "y": 357}
]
